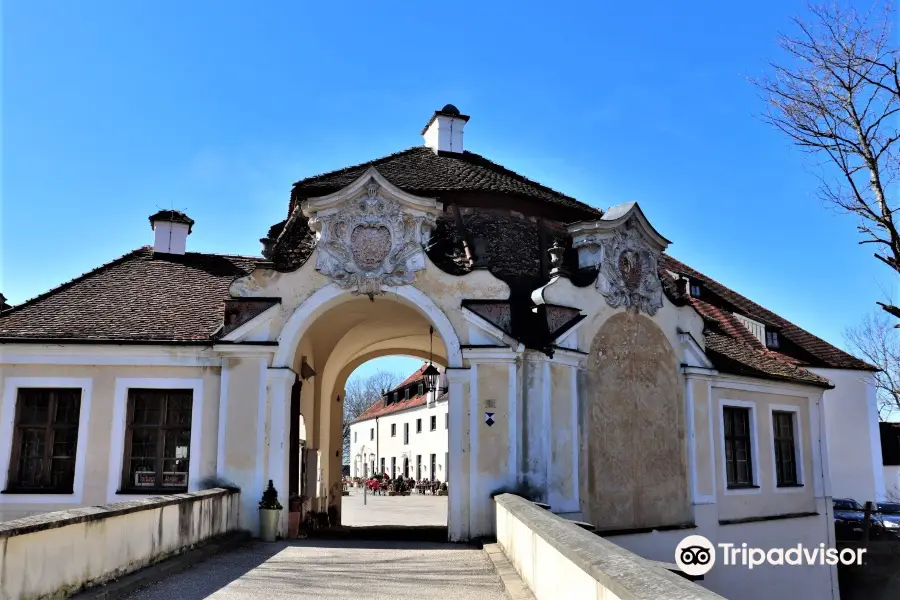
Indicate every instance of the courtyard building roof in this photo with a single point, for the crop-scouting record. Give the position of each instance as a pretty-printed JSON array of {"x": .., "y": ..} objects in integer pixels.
[{"x": 386, "y": 406}]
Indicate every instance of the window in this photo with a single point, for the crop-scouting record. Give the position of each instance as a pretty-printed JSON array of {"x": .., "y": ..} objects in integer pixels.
[
  {"x": 418, "y": 467},
  {"x": 418, "y": 425},
  {"x": 372, "y": 433},
  {"x": 396, "y": 396},
  {"x": 772, "y": 339},
  {"x": 382, "y": 465},
  {"x": 447, "y": 421},
  {"x": 785, "y": 458},
  {"x": 433, "y": 465},
  {"x": 433, "y": 422},
  {"x": 354, "y": 435},
  {"x": 45, "y": 438},
  {"x": 695, "y": 289},
  {"x": 406, "y": 433},
  {"x": 406, "y": 394},
  {"x": 157, "y": 440},
  {"x": 421, "y": 389},
  {"x": 393, "y": 430},
  {"x": 738, "y": 466},
  {"x": 393, "y": 467}
]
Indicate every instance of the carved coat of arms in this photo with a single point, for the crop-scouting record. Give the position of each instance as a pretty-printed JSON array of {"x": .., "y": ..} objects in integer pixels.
[
  {"x": 628, "y": 271},
  {"x": 370, "y": 241}
]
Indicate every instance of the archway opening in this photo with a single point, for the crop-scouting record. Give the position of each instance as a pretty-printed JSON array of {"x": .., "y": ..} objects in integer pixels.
[{"x": 405, "y": 434}]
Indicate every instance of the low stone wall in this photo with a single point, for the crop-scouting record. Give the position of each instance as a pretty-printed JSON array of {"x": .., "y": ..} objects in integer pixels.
[
  {"x": 558, "y": 559},
  {"x": 57, "y": 554}
]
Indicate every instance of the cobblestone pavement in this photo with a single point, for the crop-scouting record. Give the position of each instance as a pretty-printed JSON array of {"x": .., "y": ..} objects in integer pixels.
[
  {"x": 415, "y": 509},
  {"x": 331, "y": 570}
]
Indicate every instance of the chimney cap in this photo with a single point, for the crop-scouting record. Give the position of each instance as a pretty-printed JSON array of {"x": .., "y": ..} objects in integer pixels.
[
  {"x": 171, "y": 216},
  {"x": 448, "y": 111}
]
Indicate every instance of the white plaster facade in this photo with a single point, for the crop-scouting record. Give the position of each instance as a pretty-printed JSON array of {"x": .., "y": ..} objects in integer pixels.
[{"x": 401, "y": 440}]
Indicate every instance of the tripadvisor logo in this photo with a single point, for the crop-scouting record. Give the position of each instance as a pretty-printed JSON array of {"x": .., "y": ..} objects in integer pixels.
[{"x": 695, "y": 555}]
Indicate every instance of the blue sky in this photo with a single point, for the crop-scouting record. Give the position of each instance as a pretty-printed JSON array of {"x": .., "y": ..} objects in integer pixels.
[{"x": 112, "y": 110}]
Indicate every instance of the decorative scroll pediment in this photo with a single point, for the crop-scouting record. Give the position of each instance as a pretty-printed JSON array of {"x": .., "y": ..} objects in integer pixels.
[
  {"x": 371, "y": 234},
  {"x": 626, "y": 248}
]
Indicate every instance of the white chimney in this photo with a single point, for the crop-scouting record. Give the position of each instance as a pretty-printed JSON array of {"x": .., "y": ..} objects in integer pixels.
[
  {"x": 171, "y": 229},
  {"x": 444, "y": 132}
]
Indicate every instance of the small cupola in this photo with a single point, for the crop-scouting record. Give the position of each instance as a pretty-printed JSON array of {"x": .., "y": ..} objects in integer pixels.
[
  {"x": 170, "y": 228},
  {"x": 444, "y": 132}
]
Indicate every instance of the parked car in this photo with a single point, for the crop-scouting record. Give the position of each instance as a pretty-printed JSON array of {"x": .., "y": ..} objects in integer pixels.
[
  {"x": 849, "y": 521},
  {"x": 890, "y": 512}
]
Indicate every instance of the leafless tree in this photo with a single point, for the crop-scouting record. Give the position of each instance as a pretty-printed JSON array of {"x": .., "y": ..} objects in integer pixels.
[
  {"x": 360, "y": 394},
  {"x": 837, "y": 97},
  {"x": 876, "y": 341}
]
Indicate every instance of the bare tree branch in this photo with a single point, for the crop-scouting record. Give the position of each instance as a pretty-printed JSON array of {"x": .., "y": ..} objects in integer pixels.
[
  {"x": 838, "y": 94},
  {"x": 876, "y": 341}
]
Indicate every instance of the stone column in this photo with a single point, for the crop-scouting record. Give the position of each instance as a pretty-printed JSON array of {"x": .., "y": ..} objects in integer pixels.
[
  {"x": 458, "y": 447},
  {"x": 563, "y": 425},
  {"x": 536, "y": 418},
  {"x": 279, "y": 382}
]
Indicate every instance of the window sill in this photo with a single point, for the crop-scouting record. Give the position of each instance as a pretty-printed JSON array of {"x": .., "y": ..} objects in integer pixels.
[
  {"x": 790, "y": 485},
  {"x": 151, "y": 491},
  {"x": 24, "y": 491},
  {"x": 742, "y": 487}
]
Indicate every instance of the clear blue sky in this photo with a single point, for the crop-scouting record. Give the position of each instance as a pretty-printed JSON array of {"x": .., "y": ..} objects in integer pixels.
[{"x": 112, "y": 110}]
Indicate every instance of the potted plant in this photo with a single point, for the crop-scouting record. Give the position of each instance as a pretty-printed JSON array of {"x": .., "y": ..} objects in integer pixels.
[{"x": 269, "y": 510}]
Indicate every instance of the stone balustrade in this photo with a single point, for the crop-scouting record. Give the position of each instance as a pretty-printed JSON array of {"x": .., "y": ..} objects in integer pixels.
[
  {"x": 557, "y": 558},
  {"x": 56, "y": 554}
]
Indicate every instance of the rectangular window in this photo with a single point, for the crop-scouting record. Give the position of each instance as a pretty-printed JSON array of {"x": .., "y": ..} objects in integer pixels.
[
  {"x": 157, "y": 440},
  {"x": 433, "y": 423},
  {"x": 785, "y": 457},
  {"x": 418, "y": 467},
  {"x": 382, "y": 465},
  {"x": 406, "y": 433},
  {"x": 393, "y": 467},
  {"x": 406, "y": 394},
  {"x": 421, "y": 389},
  {"x": 738, "y": 464},
  {"x": 45, "y": 438},
  {"x": 434, "y": 467},
  {"x": 447, "y": 421},
  {"x": 396, "y": 396},
  {"x": 772, "y": 339},
  {"x": 354, "y": 435},
  {"x": 418, "y": 425},
  {"x": 393, "y": 430},
  {"x": 695, "y": 290},
  {"x": 372, "y": 433}
]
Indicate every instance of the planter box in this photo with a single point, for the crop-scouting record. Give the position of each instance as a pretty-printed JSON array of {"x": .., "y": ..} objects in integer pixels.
[{"x": 294, "y": 524}]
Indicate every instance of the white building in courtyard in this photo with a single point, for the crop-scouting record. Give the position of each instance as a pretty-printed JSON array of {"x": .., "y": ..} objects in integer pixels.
[{"x": 404, "y": 433}]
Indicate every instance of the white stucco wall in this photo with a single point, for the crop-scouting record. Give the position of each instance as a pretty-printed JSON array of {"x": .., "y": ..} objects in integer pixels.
[
  {"x": 854, "y": 443},
  {"x": 385, "y": 446}
]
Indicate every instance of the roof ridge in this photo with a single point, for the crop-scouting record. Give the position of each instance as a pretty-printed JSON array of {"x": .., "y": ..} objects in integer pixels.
[
  {"x": 356, "y": 166},
  {"x": 769, "y": 315},
  {"x": 509, "y": 172},
  {"x": 67, "y": 284}
]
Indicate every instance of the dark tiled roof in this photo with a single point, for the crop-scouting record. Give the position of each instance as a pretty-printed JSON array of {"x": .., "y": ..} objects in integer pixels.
[
  {"x": 172, "y": 216},
  {"x": 382, "y": 407},
  {"x": 420, "y": 170},
  {"x": 137, "y": 297},
  {"x": 802, "y": 347}
]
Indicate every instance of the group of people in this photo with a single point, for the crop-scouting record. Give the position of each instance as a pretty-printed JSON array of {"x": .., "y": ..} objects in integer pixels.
[{"x": 381, "y": 484}]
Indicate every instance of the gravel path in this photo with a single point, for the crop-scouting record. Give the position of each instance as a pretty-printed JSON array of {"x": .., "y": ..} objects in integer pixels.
[{"x": 326, "y": 570}]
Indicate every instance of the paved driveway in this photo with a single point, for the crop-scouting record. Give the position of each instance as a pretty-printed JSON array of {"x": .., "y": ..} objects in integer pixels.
[
  {"x": 326, "y": 570},
  {"x": 415, "y": 509}
]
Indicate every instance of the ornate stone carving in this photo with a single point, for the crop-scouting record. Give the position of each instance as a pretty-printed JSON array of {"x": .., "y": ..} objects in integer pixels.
[
  {"x": 628, "y": 271},
  {"x": 371, "y": 240}
]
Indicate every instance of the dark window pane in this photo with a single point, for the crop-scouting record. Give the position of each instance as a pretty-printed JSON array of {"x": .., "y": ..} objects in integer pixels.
[
  {"x": 785, "y": 465},
  {"x": 160, "y": 430},
  {"x": 738, "y": 464}
]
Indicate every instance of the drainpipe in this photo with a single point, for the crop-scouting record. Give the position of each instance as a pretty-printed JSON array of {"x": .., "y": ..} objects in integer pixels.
[{"x": 377, "y": 439}]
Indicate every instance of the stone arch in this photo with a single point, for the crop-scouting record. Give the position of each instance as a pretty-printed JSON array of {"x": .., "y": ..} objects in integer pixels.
[
  {"x": 332, "y": 295},
  {"x": 635, "y": 461}
]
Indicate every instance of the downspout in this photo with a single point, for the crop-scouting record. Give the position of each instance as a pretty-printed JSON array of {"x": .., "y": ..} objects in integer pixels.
[{"x": 377, "y": 438}]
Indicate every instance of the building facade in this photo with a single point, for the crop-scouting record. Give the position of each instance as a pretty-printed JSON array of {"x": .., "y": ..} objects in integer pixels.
[
  {"x": 405, "y": 433},
  {"x": 585, "y": 367}
]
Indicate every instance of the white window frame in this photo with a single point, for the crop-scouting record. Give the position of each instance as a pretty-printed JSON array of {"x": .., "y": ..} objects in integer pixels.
[
  {"x": 11, "y": 388},
  {"x": 754, "y": 447},
  {"x": 117, "y": 439},
  {"x": 798, "y": 449}
]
